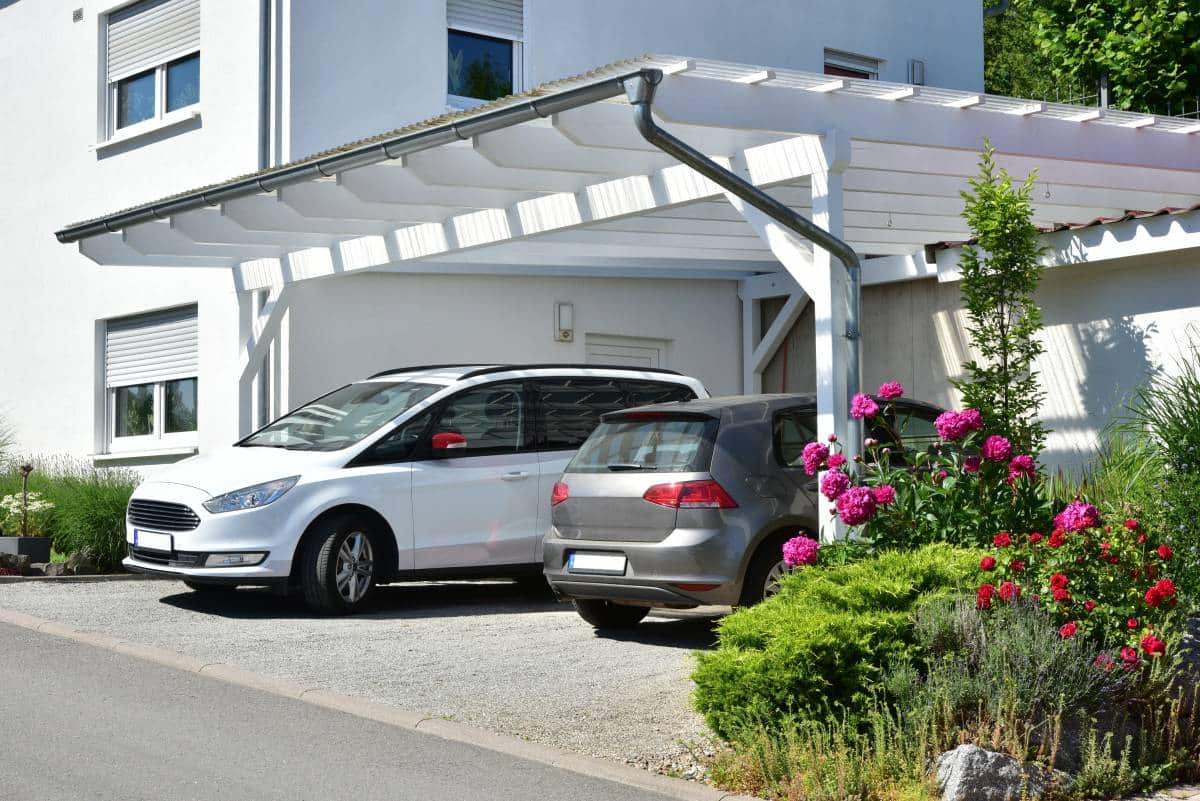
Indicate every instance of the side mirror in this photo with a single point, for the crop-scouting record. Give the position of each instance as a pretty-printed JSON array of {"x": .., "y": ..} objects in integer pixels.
[{"x": 447, "y": 441}]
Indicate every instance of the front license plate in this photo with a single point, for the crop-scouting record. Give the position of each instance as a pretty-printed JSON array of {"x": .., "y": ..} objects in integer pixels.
[
  {"x": 611, "y": 564},
  {"x": 152, "y": 540}
]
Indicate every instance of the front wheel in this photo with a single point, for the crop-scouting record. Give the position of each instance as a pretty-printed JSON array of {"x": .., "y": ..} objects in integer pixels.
[
  {"x": 338, "y": 566},
  {"x": 608, "y": 615}
]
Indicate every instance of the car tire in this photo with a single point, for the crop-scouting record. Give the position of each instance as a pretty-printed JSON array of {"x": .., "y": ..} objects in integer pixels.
[
  {"x": 762, "y": 576},
  {"x": 200, "y": 586},
  {"x": 337, "y": 565},
  {"x": 608, "y": 615}
]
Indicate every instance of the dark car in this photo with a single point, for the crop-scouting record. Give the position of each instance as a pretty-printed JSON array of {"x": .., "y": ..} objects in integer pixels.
[{"x": 688, "y": 504}]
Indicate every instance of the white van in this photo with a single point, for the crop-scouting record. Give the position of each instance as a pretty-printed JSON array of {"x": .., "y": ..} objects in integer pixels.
[{"x": 441, "y": 471}]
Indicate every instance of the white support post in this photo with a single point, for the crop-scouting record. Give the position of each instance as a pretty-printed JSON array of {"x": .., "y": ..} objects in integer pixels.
[
  {"x": 751, "y": 325},
  {"x": 824, "y": 280},
  {"x": 259, "y": 330}
]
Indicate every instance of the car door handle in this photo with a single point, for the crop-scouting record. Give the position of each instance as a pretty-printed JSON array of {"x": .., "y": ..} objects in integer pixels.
[{"x": 516, "y": 476}]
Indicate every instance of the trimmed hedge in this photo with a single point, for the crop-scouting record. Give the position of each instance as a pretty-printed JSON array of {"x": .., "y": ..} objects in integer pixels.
[{"x": 818, "y": 647}]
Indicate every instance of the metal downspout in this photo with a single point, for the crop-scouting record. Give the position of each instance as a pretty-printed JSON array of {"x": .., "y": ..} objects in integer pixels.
[{"x": 640, "y": 90}]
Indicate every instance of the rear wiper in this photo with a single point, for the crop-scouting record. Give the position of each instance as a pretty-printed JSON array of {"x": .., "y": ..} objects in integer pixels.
[{"x": 617, "y": 467}]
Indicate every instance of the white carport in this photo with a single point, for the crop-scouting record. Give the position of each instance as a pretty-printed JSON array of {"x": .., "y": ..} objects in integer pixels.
[{"x": 560, "y": 182}]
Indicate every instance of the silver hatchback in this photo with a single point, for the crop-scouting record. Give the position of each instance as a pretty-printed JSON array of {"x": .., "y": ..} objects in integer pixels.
[{"x": 689, "y": 504}]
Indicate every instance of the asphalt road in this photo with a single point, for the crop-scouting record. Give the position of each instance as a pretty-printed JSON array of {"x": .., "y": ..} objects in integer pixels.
[{"x": 81, "y": 722}]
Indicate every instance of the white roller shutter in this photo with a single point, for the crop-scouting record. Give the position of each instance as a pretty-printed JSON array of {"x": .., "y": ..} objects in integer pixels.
[
  {"x": 151, "y": 347},
  {"x": 149, "y": 33},
  {"x": 496, "y": 17}
]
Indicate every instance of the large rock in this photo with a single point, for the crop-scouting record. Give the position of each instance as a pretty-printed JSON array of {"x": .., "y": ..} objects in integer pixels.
[
  {"x": 55, "y": 569},
  {"x": 970, "y": 773},
  {"x": 82, "y": 563},
  {"x": 17, "y": 562}
]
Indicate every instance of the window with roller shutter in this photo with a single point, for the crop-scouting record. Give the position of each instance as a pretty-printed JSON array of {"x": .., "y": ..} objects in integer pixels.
[
  {"x": 152, "y": 62},
  {"x": 485, "y": 41}
]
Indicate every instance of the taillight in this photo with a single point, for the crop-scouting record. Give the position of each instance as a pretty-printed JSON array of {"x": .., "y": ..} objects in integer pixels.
[
  {"x": 559, "y": 494},
  {"x": 706, "y": 494}
]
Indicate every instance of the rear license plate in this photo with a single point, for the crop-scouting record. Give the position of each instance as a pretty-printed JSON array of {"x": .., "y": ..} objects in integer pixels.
[
  {"x": 610, "y": 564},
  {"x": 152, "y": 540}
]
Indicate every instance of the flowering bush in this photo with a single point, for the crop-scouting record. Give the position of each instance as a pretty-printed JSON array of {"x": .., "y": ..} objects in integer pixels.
[
  {"x": 1106, "y": 583},
  {"x": 800, "y": 550},
  {"x": 960, "y": 490},
  {"x": 39, "y": 513}
]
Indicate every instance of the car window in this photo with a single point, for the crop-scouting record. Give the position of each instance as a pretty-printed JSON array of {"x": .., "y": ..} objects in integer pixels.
[
  {"x": 917, "y": 430},
  {"x": 644, "y": 393},
  {"x": 793, "y": 430},
  {"x": 402, "y": 444},
  {"x": 659, "y": 443},
  {"x": 492, "y": 417},
  {"x": 906, "y": 430},
  {"x": 571, "y": 408}
]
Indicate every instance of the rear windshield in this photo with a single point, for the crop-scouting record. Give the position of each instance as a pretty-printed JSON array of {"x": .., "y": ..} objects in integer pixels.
[{"x": 659, "y": 445}]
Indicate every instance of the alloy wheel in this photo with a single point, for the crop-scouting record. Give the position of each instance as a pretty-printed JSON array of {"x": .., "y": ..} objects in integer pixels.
[
  {"x": 355, "y": 567},
  {"x": 774, "y": 581}
]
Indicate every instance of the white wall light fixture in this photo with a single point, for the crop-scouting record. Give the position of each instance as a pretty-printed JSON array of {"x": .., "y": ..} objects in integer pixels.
[{"x": 564, "y": 322}]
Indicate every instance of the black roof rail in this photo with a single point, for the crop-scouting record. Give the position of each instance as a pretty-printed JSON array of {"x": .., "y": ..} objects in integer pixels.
[
  {"x": 420, "y": 368},
  {"x": 571, "y": 366}
]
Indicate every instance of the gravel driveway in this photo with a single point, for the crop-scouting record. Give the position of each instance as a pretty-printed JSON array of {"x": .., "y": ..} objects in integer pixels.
[{"x": 486, "y": 653}]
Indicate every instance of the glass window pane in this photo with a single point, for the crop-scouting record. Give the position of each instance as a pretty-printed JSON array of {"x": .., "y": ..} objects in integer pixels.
[
  {"x": 491, "y": 417},
  {"x": 794, "y": 430},
  {"x": 644, "y": 393},
  {"x": 181, "y": 406},
  {"x": 662, "y": 445},
  {"x": 135, "y": 99},
  {"x": 479, "y": 66},
  {"x": 571, "y": 407},
  {"x": 183, "y": 82},
  {"x": 134, "y": 410}
]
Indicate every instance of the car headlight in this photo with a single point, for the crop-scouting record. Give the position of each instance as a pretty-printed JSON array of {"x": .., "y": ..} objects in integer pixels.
[{"x": 251, "y": 497}]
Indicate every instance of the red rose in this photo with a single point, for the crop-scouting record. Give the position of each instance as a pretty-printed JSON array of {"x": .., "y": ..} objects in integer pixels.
[
  {"x": 1009, "y": 592},
  {"x": 1016, "y": 565},
  {"x": 1114, "y": 560},
  {"x": 1165, "y": 587},
  {"x": 1141, "y": 539},
  {"x": 1129, "y": 657},
  {"x": 987, "y": 563},
  {"x": 1068, "y": 630},
  {"x": 1035, "y": 537},
  {"x": 1060, "y": 595},
  {"x": 1165, "y": 552},
  {"x": 1131, "y": 524},
  {"x": 1152, "y": 597},
  {"x": 1153, "y": 646},
  {"x": 1057, "y": 539},
  {"x": 1002, "y": 540},
  {"x": 1132, "y": 623},
  {"x": 1089, "y": 606},
  {"x": 983, "y": 598},
  {"x": 1058, "y": 580},
  {"x": 1104, "y": 546}
]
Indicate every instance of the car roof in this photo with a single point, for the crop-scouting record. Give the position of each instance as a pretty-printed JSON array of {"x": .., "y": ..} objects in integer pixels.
[
  {"x": 738, "y": 405},
  {"x": 450, "y": 373}
]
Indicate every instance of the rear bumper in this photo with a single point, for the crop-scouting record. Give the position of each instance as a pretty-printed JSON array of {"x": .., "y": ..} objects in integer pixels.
[{"x": 654, "y": 570}]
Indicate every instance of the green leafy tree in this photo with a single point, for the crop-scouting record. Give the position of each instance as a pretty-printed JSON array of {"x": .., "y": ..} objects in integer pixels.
[
  {"x": 1149, "y": 49},
  {"x": 1013, "y": 63},
  {"x": 1000, "y": 275}
]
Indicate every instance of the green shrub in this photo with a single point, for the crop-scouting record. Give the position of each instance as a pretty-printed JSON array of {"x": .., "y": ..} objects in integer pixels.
[{"x": 818, "y": 647}]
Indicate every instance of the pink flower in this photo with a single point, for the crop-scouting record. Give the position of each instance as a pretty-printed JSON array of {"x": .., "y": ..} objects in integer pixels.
[
  {"x": 1077, "y": 516},
  {"x": 972, "y": 464},
  {"x": 1105, "y": 662},
  {"x": 891, "y": 390},
  {"x": 953, "y": 426},
  {"x": 832, "y": 437},
  {"x": 814, "y": 457},
  {"x": 1022, "y": 465},
  {"x": 1068, "y": 630},
  {"x": 863, "y": 406},
  {"x": 996, "y": 449},
  {"x": 884, "y": 494},
  {"x": 855, "y": 506},
  {"x": 971, "y": 419},
  {"x": 834, "y": 483},
  {"x": 836, "y": 460},
  {"x": 800, "y": 550}
]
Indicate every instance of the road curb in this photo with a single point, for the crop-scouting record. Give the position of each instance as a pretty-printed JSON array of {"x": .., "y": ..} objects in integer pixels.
[
  {"x": 383, "y": 713},
  {"x": 82, "y": 579}
]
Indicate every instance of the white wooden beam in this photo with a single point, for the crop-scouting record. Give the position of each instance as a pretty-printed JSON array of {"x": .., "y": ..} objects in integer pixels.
[
  {"x": 778, "y": 331},
  {"x": 835, "y": 85},
  {"x": 751, "y": 326},
  {"x": 768, "y": 285},
  {"x": 906, "y": 93},
  {"x": 969, "y": 101},
  {"x": 761, "y": 76}
]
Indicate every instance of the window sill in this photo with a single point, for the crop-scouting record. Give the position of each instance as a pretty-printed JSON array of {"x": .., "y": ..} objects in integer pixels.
[
  {"x": 175, "y": 119},
  {"x": 460, "y": 103},
  {"x": 156, "y": 453}
]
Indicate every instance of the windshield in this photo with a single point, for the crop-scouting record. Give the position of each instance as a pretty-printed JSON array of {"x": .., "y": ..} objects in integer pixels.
[
  {"x": 341, "y": 418},
  {"x": 654, "y": 445}
]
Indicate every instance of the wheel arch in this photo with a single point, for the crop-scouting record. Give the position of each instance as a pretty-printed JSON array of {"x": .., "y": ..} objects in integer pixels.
[{"x": 378, "y": 522}]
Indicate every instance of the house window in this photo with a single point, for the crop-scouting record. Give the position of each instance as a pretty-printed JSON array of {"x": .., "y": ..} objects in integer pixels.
[
  {"x": 484, "y": 49},
  {"x": 151, "y": 366},
  {"x": 851, "y": 65},
  {"x": 152, "y": 61}
]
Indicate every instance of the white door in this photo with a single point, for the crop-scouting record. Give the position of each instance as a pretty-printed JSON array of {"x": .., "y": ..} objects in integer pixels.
[{"x": 480, "y": 506}]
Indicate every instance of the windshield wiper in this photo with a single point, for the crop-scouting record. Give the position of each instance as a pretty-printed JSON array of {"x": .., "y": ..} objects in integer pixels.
[{"x": 617, "y": 467}]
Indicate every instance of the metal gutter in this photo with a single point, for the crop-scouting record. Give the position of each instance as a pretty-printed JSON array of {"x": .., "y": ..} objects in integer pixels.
[
  {"x": 640, "y": 89},
  {"x": 359, "y": 156}
]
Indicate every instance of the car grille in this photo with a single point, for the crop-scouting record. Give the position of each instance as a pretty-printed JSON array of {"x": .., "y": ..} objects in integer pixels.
[
  {"x": 176, "y": 559},
  {"x": 162, "y": 515}
]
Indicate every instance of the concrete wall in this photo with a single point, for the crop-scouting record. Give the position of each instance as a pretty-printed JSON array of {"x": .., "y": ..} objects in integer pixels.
[
  {"x": 343, "y": 329},
  {"x": 368, "y": 66},
  {"x": 50, "y": 175},
  {"x": 1108, "y": 327}
]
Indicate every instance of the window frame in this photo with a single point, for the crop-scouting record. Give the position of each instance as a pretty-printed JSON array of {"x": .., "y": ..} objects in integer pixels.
[
  {"x": 159, "y": 438},
  {"x": 866, "y": 68},
  {"x": 161, "y": 116},
  {"x": 518, "y": 62},
  {"x": 776, "y": 438}
]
